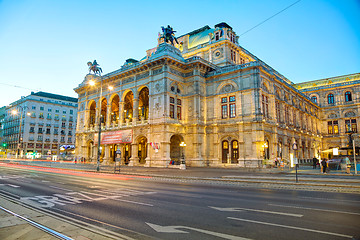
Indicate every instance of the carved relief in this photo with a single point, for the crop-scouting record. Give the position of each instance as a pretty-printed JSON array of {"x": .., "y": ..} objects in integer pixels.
[
  {"x": 333, "y": 115},
  {"x": 227, "y": 88},
  {"x": 218, "y": 53},
  {"x": 157, "y": 87},
  {"x": 350, "y": 114}
]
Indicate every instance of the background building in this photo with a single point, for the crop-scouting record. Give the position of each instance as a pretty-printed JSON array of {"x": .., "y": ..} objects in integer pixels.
[
  {"x": 339, "y": 101},
  {"x": 46, "y": 123},
  {"x": 229, "y": 107}
]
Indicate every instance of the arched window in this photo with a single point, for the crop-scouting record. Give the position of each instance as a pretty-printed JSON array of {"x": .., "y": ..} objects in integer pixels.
[
  {"x": 348, "y": 97},
  {"x": 314, "y": 99},
  {"x": 330, "y": 98}
]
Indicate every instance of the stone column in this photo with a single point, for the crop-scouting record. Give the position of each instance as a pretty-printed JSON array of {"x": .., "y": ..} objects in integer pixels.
[
  {"x": 108, "y": 115},
  {"x": 135, "y": 110},
  {"x": 121, "y": 112},
  {"x": 134, "y": 160},
  {"x": 106, "y": 154},
  {"x": 147, "y": 159}
]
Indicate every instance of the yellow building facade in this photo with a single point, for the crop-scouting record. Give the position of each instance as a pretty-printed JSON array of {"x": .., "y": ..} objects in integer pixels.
[{"x": 207, "y": 92}]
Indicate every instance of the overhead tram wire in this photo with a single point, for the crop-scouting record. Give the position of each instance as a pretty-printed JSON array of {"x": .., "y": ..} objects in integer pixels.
[
  {"x": 269, "y": 18},
  {"x": 6, "y": 84}
]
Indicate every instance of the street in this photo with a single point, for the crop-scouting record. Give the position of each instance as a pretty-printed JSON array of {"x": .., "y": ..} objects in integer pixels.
[{"x": 145, "y": 207}]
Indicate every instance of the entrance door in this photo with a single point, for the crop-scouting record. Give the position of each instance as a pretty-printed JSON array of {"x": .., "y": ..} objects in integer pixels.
[
  {"x": 225, "y": 151},
  {"x": 234, "y": 151},
  {"x": 127, "y": 153}
]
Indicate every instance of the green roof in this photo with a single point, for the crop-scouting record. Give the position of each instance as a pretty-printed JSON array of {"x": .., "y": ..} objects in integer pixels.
[{"x": 55, "y": 96}]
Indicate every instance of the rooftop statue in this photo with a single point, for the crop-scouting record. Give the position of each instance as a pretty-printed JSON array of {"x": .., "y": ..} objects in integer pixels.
[
  {"x": 168, "y": 35},
  {"x": 94, "y": 67}
]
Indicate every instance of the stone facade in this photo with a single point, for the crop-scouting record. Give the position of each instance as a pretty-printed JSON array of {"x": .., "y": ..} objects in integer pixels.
[{"x": 228, "y": 107}]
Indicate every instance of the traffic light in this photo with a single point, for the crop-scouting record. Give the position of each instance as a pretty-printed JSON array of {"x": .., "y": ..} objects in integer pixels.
[{"x": 4, "y": 145}]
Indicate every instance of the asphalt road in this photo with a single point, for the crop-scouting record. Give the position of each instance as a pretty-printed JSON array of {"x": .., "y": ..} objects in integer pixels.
[{"x": 153, "y": 208}]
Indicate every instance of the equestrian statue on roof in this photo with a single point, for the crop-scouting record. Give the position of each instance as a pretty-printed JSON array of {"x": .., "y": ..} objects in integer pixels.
[
  {"x": 169, "y": 35},
  {"x": 94, "y": 67}
]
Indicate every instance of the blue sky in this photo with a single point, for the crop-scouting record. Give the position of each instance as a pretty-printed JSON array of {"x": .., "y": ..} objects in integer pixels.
[{"x": 45, "y": 44}]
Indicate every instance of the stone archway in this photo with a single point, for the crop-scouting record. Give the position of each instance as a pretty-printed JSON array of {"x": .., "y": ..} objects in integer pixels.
[
  {"x": 175, "y": 149},
  {"x": 144, "y": 104},
  {"x": 128, "y": 106}
]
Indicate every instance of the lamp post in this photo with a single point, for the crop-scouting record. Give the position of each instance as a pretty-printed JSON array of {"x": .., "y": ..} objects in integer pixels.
[
  {"x": 182, "y": 163},
  {"x": 352, "y": 141},
  {"x": 15, "y": 112},
  {"x": 94, "y": 67}
]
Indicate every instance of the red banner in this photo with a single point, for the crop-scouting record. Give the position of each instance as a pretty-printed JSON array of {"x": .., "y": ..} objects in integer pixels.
[{"x": 114, "y": 137}]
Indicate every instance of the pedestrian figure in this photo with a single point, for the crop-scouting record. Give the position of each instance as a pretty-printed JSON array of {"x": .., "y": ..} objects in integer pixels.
[
  {"x": 324, "y": 165},
  {"x": 348, "y": 165},
  {"x": 315, "y": 161}
]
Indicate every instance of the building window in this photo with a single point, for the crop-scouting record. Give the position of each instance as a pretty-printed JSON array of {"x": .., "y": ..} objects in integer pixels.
[
  {"x": 350, "y": 125},
  {"x": 333, "y": 127},
  {"x": 233, "y": 56},
  {"x": 64, "y": 112},
  {"x": 294, "y": 118},
  {"x": 178, "y": 112},
  {"x": 287, "y": 120},
  {"x": 70, "y": 133},
  {"x": 217, "y": 36},
  {"x": 228, "y": 109},
  {"x": 57, "y": 110},
  {"x": 265, "y": 106},
  {"x": 48, "y": 116},
  {"x": 314, "y": 99},
  {"x": 348, "y": 97},
  {"x": 42, "y": 108},
  {"x": 49, "y": 109},
  {"x": 232, "y": 110},
  {"x": 69, "y": 139},
  {"x": 71, "y": 111},
  {"x": 178, "y": 108},
  {"x": 32, "y": 130},
  {"x": 63, "y": 125},
  {"x": 40, "y": 130},
  {"x": 172, "y": 111},
  {"x": 224, "y": 111},
  {"x": 48, "y": 131},
  {"x": 330, "y": 98},
  {"x": 41, "y": 115},
  {"x": 278, "y": 113},
  {"x": 33, "y": 107},
  {"x": 56, "y": 131},
  {"x": 40, "y": 138}
]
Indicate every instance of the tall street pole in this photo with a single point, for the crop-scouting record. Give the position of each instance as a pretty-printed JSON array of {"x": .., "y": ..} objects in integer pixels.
[
  {"x": 99, "y": 136},
  {"x": 20, "y": 125},
  {"x": 353, "y": 142}
]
